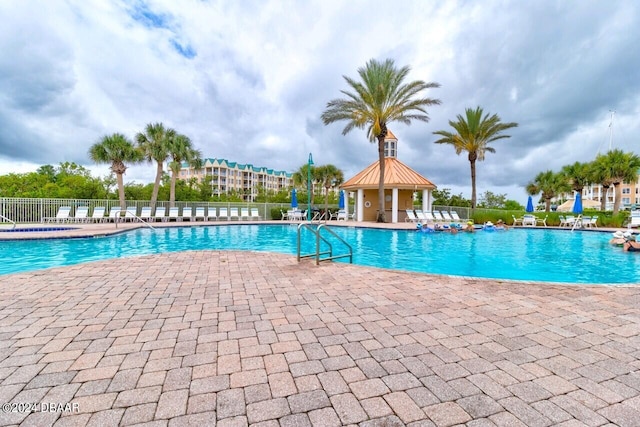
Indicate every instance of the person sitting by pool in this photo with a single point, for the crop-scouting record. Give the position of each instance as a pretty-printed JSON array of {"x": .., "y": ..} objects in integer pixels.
[
  {"x": 426, "y": 228},
  {"x": 469, "y": 228},
  {"x": 488, "y": 226},
  {"x": 618, "y": 238},
  {"x": 631, "y": 245}
]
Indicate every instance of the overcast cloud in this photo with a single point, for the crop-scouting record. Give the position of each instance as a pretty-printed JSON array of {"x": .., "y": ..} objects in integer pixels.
[{"x": 248, "y": 80}]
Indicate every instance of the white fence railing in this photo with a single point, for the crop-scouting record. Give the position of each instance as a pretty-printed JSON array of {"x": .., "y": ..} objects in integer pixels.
[{"x": 28, "y": 210}]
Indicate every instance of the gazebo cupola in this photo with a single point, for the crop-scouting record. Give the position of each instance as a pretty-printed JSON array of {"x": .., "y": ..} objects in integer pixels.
[{"x": 390, "y": 145}]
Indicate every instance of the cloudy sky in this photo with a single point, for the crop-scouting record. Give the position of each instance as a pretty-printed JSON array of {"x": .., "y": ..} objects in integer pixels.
[{"x": 248, "y": 80}]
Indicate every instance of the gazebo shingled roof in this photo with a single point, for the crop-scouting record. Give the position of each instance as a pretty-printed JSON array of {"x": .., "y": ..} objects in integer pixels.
[{"x": 396, "y": 175}]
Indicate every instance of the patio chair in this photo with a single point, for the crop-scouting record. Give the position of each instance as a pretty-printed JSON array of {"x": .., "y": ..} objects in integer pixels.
[
  {"x": 212, "y": 213},
  {"x": 244, "y": 213},
  {"x": 98, "y": 214},
  {"x": 61, "y": 216},
  {"x": 456, "y": 217},
  {"x": 411, "y": 216},
  {"x": 437, "y": 216},
  {"x": 131, "y": 213},
  {"x": 200, "y": 213},
  {"x": 255, "y": 214},
  {"x": 634, "y": 219},
  {"x": 341, "y": 215},
  {"x": 516, "y": 221},
  {"x": 223, "y": 214},
  {"x": 447, "y": 217},
  {"x": 82, "y": 213},
  {"x": 161, "y": 214},
  {"x": 114, "y": 214},
  {"x": 233, "y": 213},
  {"x": 187, "y": 213},
  {"x": 145, "y": 213},
  {"x": 542, "y": 221},
  {"x": 174, "y": 214},
  {"x": 593, "y": 223}
]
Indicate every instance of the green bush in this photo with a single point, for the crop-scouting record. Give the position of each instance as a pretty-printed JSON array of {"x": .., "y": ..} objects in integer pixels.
[{"x": 605, "y": 219}]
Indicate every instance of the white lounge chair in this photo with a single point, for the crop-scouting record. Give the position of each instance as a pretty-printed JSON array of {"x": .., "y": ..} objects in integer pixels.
[
  {"x": 517, "y": 221},
  {"x": 294, "y": 215},
  {"x": 542, "y": 221},
  {"x": 244, "y": 213},
  {"x": 456, "y": 217},
  {"x": 115, "y": 214},
  {"x": 187, "y": 214},
  {"x": 145, "y": 213},
  {"x": 233, "y": 213},
  {"x": 447, "y": 217},
  {"x": 438, "y": 216},
  {"x": 223, "y": 214},
  {"x": 593, "y": 222},
  {"x": 98, "y": 214},
  {"x": 174, "y": 214},
  {"x": 200, "y": 214},
  {"x": 131, "y": 213},
  {"x": 255, "y": 214},
  {"x": 342, "y": 215},
  {"x": 212, "y": 213},
  {"x": 161, "y": 214},
  {"x": 82, "y": 212},
  {"x": 61, "y": 216},
  {"x": 411, "y": 216},
  {"x": 634, "y": 219}
]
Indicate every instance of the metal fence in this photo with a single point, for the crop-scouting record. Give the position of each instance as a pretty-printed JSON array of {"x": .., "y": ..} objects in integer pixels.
[{"x": 27, "y": 210}]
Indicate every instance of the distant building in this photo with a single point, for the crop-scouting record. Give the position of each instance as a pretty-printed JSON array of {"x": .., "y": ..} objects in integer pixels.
[{"x": 244, "y": 179}]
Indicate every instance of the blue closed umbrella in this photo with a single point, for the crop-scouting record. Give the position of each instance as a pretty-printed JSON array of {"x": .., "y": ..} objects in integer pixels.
[
  {"x": 530, "y": 205},
  {"x": 577, "y": 204},
  {"x": 341, "y": 200},
  {"x": 294, "y": 199}
]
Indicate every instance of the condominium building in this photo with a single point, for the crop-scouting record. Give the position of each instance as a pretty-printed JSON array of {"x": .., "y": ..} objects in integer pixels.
[{"x": 244, "y": 179}]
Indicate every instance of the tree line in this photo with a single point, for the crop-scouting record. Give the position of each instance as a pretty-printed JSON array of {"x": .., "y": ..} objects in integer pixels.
[{"x": 611, "y": 169}]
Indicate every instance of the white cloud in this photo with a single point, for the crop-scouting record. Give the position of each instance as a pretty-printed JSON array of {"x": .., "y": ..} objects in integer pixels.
[{"x": 247, "y": 81}]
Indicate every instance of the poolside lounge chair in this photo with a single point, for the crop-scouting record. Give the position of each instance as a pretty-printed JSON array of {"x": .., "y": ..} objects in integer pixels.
[
  {"x": 114, "y": 214},
  {"x": 174, "y": 214},
  {"x": 200, "y": 214},
  {"x": 223, "y": 214},
  {"x": 342, "y": 215},
  {"x": 145, "y": 213},
  {"x": 517, "y": 221},
  {"x": 542, "y": 221},
  {"x": 131, "y": 213},
  {"x": 244, "y": 213},
  {"x": 634, "y": 219},
  {"x": 233, "y": 213},
  {"x": 438, "y": 216},
  {"x": 81, "y": 215},
  {"x": 61, "y": 216},
  {"x": 161, "y": 214},
  {"x": 447, "y": 217},
  {"x": 255, "y": 214},
  {"x": 593, "y": 222},
  {"x": 456, "y": 217},
  {"x": 411, "y": 216},
  {"x": 98, "y": 214},
  {"x": 186, "y": 214},
  {"x": 569, "y": 221},
  {"x": 212, "y": 214}
]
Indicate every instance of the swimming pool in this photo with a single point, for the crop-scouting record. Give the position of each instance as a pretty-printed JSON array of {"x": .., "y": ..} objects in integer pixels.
[{"x": 520, "y": 254}]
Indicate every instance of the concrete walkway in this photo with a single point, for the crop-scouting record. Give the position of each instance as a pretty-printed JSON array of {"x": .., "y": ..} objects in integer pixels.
[{"x": 239, "y": 338}]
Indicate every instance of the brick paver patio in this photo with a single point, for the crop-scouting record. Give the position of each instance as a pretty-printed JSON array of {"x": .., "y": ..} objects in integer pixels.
[{"x": 240, "y": 338}]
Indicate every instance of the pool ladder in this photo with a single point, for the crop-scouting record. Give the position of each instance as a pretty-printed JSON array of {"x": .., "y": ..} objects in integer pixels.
[
  {"x": 9, "y": 220},
  {"x": 316, "y": 230}
]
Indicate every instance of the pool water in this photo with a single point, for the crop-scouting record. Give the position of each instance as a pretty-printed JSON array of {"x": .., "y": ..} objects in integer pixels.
[{"x": 520, "y": 254}]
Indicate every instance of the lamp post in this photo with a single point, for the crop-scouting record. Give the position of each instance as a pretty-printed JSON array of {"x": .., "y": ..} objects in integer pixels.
[{"x": 309, "y": 164}]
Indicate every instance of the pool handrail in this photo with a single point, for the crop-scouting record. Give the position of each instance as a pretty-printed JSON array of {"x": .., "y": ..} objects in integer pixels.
[
  {"x": 128, "y": 212},
  {"x": 10, "y": 220}
]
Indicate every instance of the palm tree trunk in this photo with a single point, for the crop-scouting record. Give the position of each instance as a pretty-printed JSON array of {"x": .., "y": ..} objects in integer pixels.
[
  {"x": 472, "y": 160},
  {"x": 603, "y": 198},
  {"x": 547, "y": 205},
  {"x": 172, "y": 189},
  {"x": 156, "y": 186},
  {"x": 618, "y": 193},
  {"x": 381, "y": 214},
  {"x": 120, "y": 180}
]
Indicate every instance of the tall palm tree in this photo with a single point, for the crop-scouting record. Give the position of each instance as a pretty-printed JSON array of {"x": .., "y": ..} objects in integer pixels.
[
  {"x": 154, "y": 144},
  {"x": 550, "y": 184},
  {"x": 117, "y": 150},
  {"x": 577, "y": 175},
  {"x": 180, "y": 150},
  {"x": 381, "y": 97},
  {"x": 329, "y": 176},
  {"x": 472, "y": 134},
  {"x": 622, "y": 167}
]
